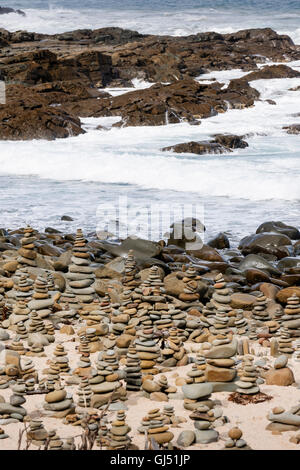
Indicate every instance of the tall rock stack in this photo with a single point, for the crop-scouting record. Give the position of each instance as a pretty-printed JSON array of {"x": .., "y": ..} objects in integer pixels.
[
  {"x": 221, "y": 297},
  {"x": 148, "y": 350},
  {"x": 220, "y": 360},
  {"x": 221, "y": 321},
  {"x": 248, "y": 374},
  {"x": 131, "y": 277},
  {"x": 153, "y": 293},
  {"x": 80, "y": 275},
  {"x": 105, "y": 381},
  {"x": 133, "y": 370},
  {"x": 285, "y": 343},
  {"x": 241, "y": 323},
  {"x": 291, "y": 318},
  {"x": 27, "y": 254},
  {"x": 190, "y": 291},
  {"x": 259, "y": 312},
  {"x": 41, "y": 301},
  {"x": 84, "y": 393},
  {"x": 36, "y": 324},
  {"x": 174, "y": 353},
  {"x": 118, "y": 438},
  {"x": 50, "y": 280},
  {"x": 61, "y": 359}
]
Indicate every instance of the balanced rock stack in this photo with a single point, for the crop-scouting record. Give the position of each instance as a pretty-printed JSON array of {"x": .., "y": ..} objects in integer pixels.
[
  {"x": 21, "y": 332},
  {"x": 190, "y": 291},
  {"x": 20, "y": 312},
  {"x": 131, "y": 277},
  {"x": 50, "y": 280},
  {"x": 37, "y": 434},
  {"x": 105, "y": 381},
  {"x": 291, "y": 318},
  {"x": 248, "y": 374},
  {"x": 133, "y": 370},
  {"x": 61, "y": 359},
  {"x": 59, "y": 402},
  {"x": 24, "y": 287},
  {"x": 16, "y": 401},
  {"x": 36, "y": 324},
  {"x": 196, "y": 374},
  {"x": 84, "y": 393},
  {"x": 41, "y": 302},
  {"x": 220, "y": 361},
  {"x": 28, "y": 371},
  {"x": 221, "y": 321},
  {"x": 81, "y": 275},
  {"x": 156, "y": 429},
  {"x": 174, "y": 353},
  {"x": 84, "y": 367},
  {"x": 18, "y": 346},
  {"x": 235, "y": 441},
  {"x": 27, "y": 254},
  {"x": 196, "y": 394},
  {"x": 55, "y": 443},
  {"x": 285, "y": 343},
  {"x": 148, "y": 350},
  {"x": 259, "y": 312},
  {"x": 203, "y": 418},
  {"x": 241, "y": 323},
  {"x": 221, "y": 297},
  {"x": 118, "y": 438},
  {"x": 53, "y": 376}
]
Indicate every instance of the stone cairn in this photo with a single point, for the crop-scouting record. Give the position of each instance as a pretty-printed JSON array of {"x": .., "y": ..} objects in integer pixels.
[
  {"x": 190, "y": 291},
  {"x": 117, "y": 436},
  {"x": 20, "y": 312},
  {"x": 154, "y": 425},
  {"x": 292, "y": 316},
  {"x": 220, "y": 360},
  {"x": 235, "y": 441},
  {"x": 24, "y": 287},
  {"x": 17, "y": 399},
  {"x": 61, "y": 359},
  {"x": 221, "y": 321},
  {"x": 27, "y": 254},
  {"x": 131, "y": 277},
  {"x": 174, "y": 353},
  {"x": 58, "y": 401},
  {"x": 53, "y": 376},
  {"x": 84, "y": 393},
  {"x": 221, "y": 297},
  {"x": 18, "y": 346},
  {"x": 148, "y": 350},
  {"x": 248, "y": 374},
  {"x": 241, "y": 323},
  {"x": 204, "y": 419},
  {"x": 84, "y": 366},
  {"x": 259, "y": 312},
  {"x": 80, "y": 274},
  {"x": 133, "y": 370},
  {"x": 285, "y": 345},
  {"x": 55, "y": 443},
  {"x": 105, "y": 381},
  {"x": 42, "y": 302},
  {"x": 37, "y": 434}
]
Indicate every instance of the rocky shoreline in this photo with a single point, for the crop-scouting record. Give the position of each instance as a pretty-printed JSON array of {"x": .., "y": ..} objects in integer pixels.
[
  {"x": 53, "y": 80},
  {"x": 94, "y": 331}
]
